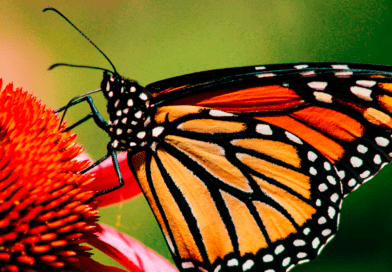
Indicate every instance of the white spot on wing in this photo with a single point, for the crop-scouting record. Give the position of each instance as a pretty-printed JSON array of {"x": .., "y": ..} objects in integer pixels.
[
  {"x": 381, "y": 141},
  {"x": 232, "y": 262},
  {"x": 279, "y": 249},
  {"x": 301, "y": 66},
  {"x": 260, "y": 68},
  {"x": 362, "y": 149},
  {"x": 318, "y": 85},
  {"x": 219, "y": 113},
  {"x": 340, "y": 66},
  {"x": 356, "y": 162},
  {"x": 293, "y": 138},
  {"x": 323, "y": 97},
  {"x": 157, "y": 131},
  {"x": 312, "y": 156},
  {"x": 263, "y": 129},
  {"x": 362, "y": 93},
  {"x": 308, "y": 73},
  {"x": 247, "y": 265},
  {"x": 366, "y": 83},
  {"x": 266, "y": 75},
  {"x": 268, "y": 258}
]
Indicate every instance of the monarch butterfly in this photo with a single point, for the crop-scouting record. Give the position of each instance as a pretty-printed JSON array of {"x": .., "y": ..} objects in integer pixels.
[{"x": 245, "y": 168}]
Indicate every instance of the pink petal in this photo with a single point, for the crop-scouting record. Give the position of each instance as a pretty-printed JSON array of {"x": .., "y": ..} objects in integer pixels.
[
  {"x": 106, "y": 178},
  {"x": 132, "y": 254},
  {"x": 89, "y": 264}
]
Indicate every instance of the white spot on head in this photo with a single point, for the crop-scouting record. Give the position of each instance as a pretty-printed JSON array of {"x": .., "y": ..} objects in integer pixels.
[
  {"x": 323, "y": 97},
  {"x": 381, "y": 141},
  {"x": 148, "y": 121},
  {"x": 130, "y": 102},
  {"x": 268, "y": 258},
  {"x": 326, "y": 232},
  {"x": 377, "y": 159},
  {"x": 110, "y": 94},
  {"x": 315, "y": 242},
  {"x": 138, "y": 114},
  {"x": 323, "y": 187},
  {"x": 318, "y": 85},
  {"x": 232, "y": 262},
  {"x": 266, "y": 75},
  {"x": 112, "y": 79},
  {"x": 362, "y": 93},
  {"x": 366, "y": 83},
  {"x": 322, "y": 220},
  {"x": 362, "y": 149},
  {"x": 299, "y": 242},
  {"x": 141, "y": 134},
  {"x": 301, "y": 66},
  {"x": 118, "y": 113},
  {"x": 119, "y": 131},
  {"x": 247, "y": 265},
  {"x": 312, "y": 171},
  {"x": 356, "y": 162},
  {"x": 331, "y": 211},
  {"x": 115, "y": 144},
  {"x": 293, "y": 138},
  {"x": 286, "y": 261},
  {"x": 279, "y": 249},
  {"x": 365, "y": 174},
  {"x": 352, "y": 182},
  {"x": 219, "y": 113},
  {"x": 157, "y": 131},
  {"x": 263, "y": 129},
  {"x": 312, "y": 156},
  {"x": 331, "y": 180},
  {"x": 143, "y": 96},
  {"x": 133, "y": 89}
]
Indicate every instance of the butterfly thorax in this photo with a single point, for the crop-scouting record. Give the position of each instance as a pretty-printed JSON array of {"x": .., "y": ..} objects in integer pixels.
[{"x": 130, "y": 112}]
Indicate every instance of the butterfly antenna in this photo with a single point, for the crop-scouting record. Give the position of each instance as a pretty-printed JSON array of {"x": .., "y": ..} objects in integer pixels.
[{"x": 87, "y": 38}]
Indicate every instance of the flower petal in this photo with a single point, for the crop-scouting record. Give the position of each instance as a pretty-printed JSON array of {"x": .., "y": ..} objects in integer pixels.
[
  {"x": 132, "y": 254},
  {"x": 90, "y": 265},
  {"x": 106, "y": 178}
]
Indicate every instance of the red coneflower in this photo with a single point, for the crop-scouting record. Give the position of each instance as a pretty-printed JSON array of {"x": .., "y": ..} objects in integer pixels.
[{"x": 45, "y": 208}]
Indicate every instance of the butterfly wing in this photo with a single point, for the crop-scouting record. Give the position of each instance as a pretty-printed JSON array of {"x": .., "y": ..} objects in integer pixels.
[
  {"x": 343, "y": 110},
  {"x": 230, "y": 191},
  {"x": 249, "y": 165}
]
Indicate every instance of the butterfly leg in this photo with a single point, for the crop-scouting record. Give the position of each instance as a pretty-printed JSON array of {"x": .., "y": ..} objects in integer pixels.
[
  {"x": 98, "y": 119},
  {"x": 111, "y": 153}
]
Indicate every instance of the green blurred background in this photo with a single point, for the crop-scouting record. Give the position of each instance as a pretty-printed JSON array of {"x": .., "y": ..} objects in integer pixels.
[{"x": 153, "y": 40}]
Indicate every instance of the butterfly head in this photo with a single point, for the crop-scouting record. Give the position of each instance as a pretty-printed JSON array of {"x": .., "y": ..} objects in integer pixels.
[{"x": 129, "y": 109}]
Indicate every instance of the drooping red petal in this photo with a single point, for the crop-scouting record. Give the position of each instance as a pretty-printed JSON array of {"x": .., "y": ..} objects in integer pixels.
[
  {"x": 106, "y": 178},
  {"x": 132, "y": 254}
]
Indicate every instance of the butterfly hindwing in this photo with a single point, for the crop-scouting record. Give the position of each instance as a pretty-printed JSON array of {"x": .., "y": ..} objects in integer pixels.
[{"x": 232, "y": 191}]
